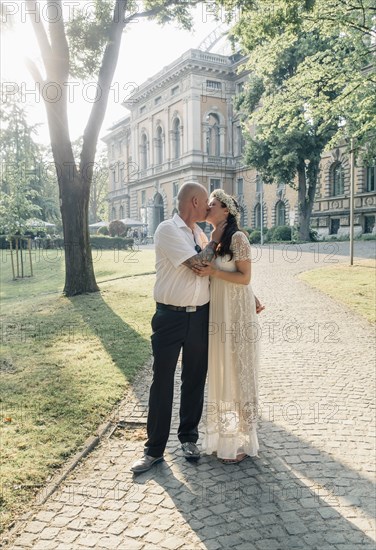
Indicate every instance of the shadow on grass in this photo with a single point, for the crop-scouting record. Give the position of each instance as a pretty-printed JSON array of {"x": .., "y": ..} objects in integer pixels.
[
  {"x": 122, "y": 341},
  {"x": 67, "y": 365}
]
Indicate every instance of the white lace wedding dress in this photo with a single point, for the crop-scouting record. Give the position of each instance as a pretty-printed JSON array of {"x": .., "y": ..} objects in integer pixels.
[{"x": 234, "y": 333}]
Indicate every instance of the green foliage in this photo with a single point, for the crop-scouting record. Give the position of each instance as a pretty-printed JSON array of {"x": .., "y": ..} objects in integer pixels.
[
  {"x": 89, "y": 30},
  {"x": 103, "y": 231},
  {"x": 28, "y": 188},
  {"x": 282, "y": 233},
  {"x": 255, "y": 236},
  {"x": 316, "y": 58},
  {"x": 111, "y": 243}
]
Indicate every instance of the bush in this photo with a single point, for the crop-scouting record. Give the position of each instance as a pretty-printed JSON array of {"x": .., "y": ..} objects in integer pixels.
[
  {"x": 108, "y": 243},
  {"x": 247, "y": 229},
  {"x": 368, "y": 237},
  {"x": 255, "y": 236},
  {"x": 269, "y": 235},
  {"x": 282, "y": 233},
  {"x": 4, "y": 244},
  {"x": 117, "y": 229},
  {"x": 103, "y": 231}
]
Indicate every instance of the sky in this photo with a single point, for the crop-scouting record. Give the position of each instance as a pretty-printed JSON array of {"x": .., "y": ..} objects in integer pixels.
[{"x": 146, "y": 49}]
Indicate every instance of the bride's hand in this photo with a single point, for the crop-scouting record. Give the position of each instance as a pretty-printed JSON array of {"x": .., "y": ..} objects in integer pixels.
[
  {"x": 259, "y": 307},
  {"x": 204, "y": 270}
]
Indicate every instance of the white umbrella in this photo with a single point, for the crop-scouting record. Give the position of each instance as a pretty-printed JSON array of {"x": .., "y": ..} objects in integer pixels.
[
  {"x": 130, "y": 222},
  {"x": 97, "y": 225},
  {"x": 39, "y": 223}
]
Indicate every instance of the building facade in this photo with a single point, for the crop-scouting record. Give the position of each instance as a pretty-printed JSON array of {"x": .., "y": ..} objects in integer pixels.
[{"x": 182, "y": 127}]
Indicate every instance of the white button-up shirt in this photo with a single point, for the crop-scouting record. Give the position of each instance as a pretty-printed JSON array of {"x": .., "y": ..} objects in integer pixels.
[{"x": 176, "y": 284}]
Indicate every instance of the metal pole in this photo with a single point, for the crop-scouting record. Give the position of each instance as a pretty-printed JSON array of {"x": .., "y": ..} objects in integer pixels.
[
  {"x": 262, "y": 212},
  {"x": 351, "y": 201}
]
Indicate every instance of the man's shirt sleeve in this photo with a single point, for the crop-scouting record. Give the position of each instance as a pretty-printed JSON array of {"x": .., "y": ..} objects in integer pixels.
[{"x": 173, "y": 244}]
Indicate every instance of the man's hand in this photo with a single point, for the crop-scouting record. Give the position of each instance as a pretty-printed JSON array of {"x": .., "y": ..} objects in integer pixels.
[{"x": 259, "y": 307}]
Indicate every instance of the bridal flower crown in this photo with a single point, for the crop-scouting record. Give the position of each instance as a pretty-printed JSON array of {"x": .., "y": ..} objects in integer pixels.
[{"x": 229, "y": 201}]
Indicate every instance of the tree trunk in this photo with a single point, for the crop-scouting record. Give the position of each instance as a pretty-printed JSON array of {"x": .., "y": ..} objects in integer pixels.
[
  {"x": 306, "y": 196},
  {"x": 74, "y": 190},
  {"x": 79, "y": 271}
]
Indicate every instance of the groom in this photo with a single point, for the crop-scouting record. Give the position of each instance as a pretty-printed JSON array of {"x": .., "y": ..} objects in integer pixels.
[{"x": 179, "y": 323}]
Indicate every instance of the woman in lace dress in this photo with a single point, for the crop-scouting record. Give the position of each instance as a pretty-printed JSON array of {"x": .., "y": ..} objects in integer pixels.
[{"x": 234, "y": 333}]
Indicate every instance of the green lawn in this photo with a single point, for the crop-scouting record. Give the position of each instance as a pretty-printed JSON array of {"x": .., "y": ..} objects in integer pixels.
[
  {"x": 354, "y": 286},
  {"x": 65, "y": 362}
]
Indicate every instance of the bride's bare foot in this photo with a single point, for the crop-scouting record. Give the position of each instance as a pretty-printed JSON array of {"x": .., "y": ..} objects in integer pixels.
[{"x": 236, "y": 460}]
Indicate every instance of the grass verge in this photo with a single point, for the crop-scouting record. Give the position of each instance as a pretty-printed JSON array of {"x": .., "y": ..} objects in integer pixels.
[
  {"x": 354, "y": 285},
  {"x": 65, "y": 363}
]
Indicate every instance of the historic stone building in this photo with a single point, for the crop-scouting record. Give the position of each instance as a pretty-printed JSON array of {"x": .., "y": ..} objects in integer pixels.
[{"x": 182, "y": 127}]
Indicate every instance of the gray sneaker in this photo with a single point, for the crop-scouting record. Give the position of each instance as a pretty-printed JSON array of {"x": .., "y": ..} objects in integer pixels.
[
  {"x": 145, "y": 463},
  {"x": 190, "y": 451}
]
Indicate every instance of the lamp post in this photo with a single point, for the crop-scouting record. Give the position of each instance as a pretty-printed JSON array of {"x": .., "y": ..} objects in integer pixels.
[
  {"x": 352, "y": 201},
  {"x": 262, "y": 212}
]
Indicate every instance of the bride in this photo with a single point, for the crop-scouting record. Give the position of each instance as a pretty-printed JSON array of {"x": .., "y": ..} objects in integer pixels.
[{"x": 232, "y": 402}]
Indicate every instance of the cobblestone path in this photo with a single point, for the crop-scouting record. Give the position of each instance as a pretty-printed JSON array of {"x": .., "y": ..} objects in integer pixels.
[{"x": 313, "y": 483}]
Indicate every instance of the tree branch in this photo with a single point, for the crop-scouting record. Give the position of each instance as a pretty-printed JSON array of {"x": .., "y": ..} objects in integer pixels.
[
  {"x": 106, "y": 73},
  {"x": 34, "y": 71},
  {"x": 59, "y": 43},
  {"x": 156, "y": 10},
  {"x": 40, "y": 32}
]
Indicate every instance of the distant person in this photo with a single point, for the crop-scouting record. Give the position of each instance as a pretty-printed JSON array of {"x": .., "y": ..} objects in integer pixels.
[
  {"x": 179, "y": 323},
  {"x": 232, "y": 401}
]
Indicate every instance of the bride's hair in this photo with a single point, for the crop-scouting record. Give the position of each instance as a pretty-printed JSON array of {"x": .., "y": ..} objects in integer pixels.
[{"x": 232, "y": 227}]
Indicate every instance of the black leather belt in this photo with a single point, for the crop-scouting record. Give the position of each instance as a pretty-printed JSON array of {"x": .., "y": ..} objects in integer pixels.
[{"x": 187, "y": 309}]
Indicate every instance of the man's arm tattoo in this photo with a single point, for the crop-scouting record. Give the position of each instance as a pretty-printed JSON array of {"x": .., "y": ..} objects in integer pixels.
[{"x": 202, "y": 258}]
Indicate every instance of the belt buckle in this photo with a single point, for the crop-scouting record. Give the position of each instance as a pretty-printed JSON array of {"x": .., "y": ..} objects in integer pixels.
[{"x": 191, "y": 309}]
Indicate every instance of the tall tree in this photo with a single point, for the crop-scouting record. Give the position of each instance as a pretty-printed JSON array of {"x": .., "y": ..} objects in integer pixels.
[
  {"x": 80, "y": 44},
  {"x": 312, "y": 84},
  {"x": 18, "y": 154}
]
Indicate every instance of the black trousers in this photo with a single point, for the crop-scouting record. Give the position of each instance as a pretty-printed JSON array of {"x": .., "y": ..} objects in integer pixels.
[{"x": 173, "y": 331}]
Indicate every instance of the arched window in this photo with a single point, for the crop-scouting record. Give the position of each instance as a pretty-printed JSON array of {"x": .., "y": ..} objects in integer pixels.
[
  {"x": 337, "y": 179},
  {"x": 176, "y": 139},
  {"x": 159, "y": 146},
  {"x": 144, "y": 152},
  {"x": 121, "y": 212},
  {"x": 280, "y": 213},
  {"x": 158, "y": 211},
  {"x": 213, "y": 143},
  {"x": 113, "y": 213},
  {"x": 257, "y": 215}
]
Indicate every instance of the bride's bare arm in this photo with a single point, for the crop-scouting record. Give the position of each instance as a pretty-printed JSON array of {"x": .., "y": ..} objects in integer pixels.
[{"x": 242, "y": 275}]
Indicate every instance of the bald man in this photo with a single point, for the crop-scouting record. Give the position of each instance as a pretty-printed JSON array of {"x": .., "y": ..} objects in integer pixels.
[{"x": 179, "y": 323}]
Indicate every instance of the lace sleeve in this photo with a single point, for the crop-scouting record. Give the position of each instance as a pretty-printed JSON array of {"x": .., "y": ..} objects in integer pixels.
[{"x": 240, "y": 247}]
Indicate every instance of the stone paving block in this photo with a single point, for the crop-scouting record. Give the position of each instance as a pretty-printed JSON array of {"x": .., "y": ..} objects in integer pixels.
[
  {"x": 78, "y": 524},
  {"x": 296, "y": 527},
  {"x": 154, "y": 537},
  {"x": 67, "y": 536},
  {"x": 136, "y": 532},
  {"x": 49, "y": 533},
  {"x": 117, "y": 527},
  {"x": 45, "y": 545},
  {"x": 88, "y": 540},
  {"x": 35, "y": 527},
  {"x": 109, "y": 542},
  {"x": 172, "y": 543},
  {"x": 26, "y": 540},
  {"x": 45, "y": 516},
  {"x": 268, "y": 544},
  {"x": 99, "y": 526}
]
